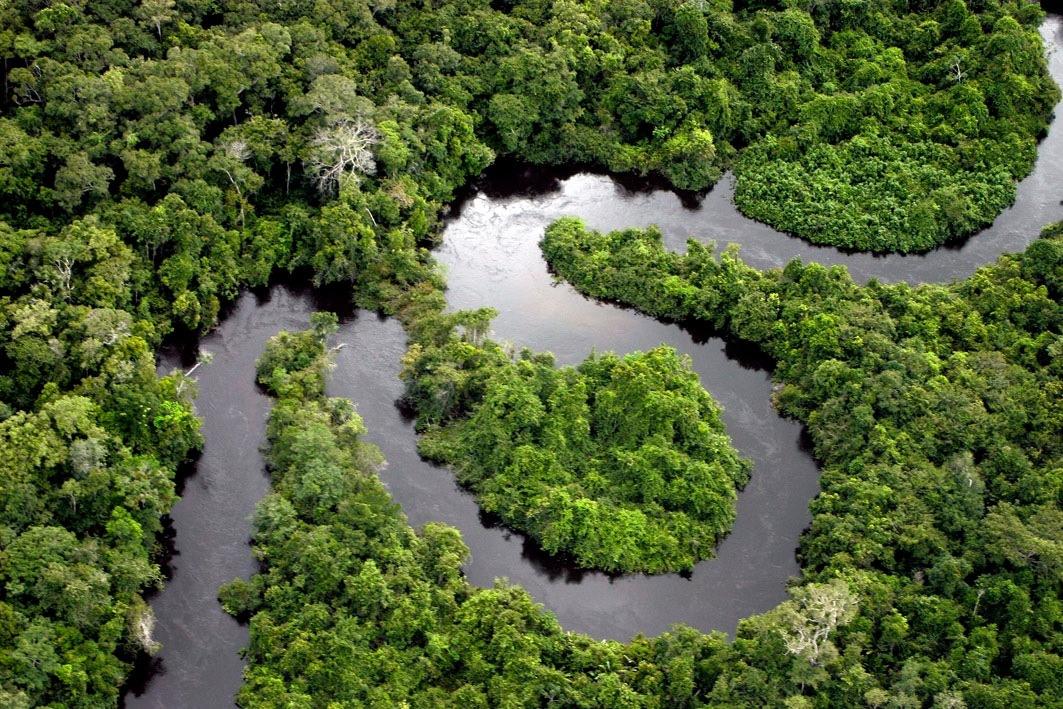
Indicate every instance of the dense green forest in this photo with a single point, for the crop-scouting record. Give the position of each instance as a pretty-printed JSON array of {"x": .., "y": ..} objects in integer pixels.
[
  {"x": 932, "y": 571},
  {"x": 237, "y": 120},
  {"x": 356, "y": 609},
  {"x": 937, "y": 412},
  {"x": 623, "y": 463},
  {"x": 89, "y": 443},
  {"x": 158, "y": 156}
]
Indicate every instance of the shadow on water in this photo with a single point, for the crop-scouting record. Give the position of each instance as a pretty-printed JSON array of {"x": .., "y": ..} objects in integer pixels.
[{"x": 490, "y": 250}]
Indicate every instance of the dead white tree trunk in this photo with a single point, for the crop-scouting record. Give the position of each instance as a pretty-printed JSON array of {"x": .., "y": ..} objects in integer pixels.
[
  {"x": 817, "y": 611},
  {"x": 343, "y": 148},
  {"x": 64, "y": 267}
]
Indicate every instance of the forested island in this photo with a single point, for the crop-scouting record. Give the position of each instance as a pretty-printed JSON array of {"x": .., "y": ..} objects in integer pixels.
[{"x": 158, "y": 157}]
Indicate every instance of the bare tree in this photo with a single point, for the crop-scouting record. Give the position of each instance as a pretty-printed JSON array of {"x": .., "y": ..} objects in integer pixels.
[
  {"x": 235, "y": 153},
  {"x": 815, "y": 612},
  {"x": 26, "y": 84},
  {"x": 343, "y": 148},
  {"x": 958, "y": 72},
  {"x": 156, "y": 12},
  {"x": 238, "y": 150},
  {"x": 203, "y": 358},
  {"x": 142, "y": 628},
  {"x": 63, "y": 255},
  {"x": 64, "y": 268}
]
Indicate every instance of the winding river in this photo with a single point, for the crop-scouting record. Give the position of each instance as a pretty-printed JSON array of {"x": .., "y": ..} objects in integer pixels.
[{"x": 491, "y": 256}]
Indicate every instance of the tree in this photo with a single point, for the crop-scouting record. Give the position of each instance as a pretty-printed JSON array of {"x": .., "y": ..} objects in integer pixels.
[
  {"x": 814, "y": 613},
  {"x": 1035, "y": 542},
  {"x": 343, "y": 148},
  {"x": 230, "y": 159},
  {"x": 692, "y": 32},
  {"x": 156, "y": 13},
  {"x": 79, "y": 177},
  {"x": 63, "y": 255},
  {"x": 514, "y": 119},
  {"x": 332, "y": 96},
  {"x": 621, "y": 462},
  {"x": 689, "y": 159}
]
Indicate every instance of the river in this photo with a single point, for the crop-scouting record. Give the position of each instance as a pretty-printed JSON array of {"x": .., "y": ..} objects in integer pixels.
[{"x": 490, "y": 252}]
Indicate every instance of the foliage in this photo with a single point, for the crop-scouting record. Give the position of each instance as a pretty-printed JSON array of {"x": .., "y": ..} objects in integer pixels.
[
  {"x": 931, "y": 570},
  {"x": 354, "y": 607},
  {"x": 894, "y": 126},
  {"x": 158, "y": 156},
  {"x": 911, "y": 131},
  {"x": 90, "y": 439},
  {"x": 936, "y": 411},
  {"x": 623, "y": 463}
]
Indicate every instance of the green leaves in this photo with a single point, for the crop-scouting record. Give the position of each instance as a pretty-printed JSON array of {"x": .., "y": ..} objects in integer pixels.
[
  {"x": 622, "y": 462},
  {"x": 151, "y": 165},
  {"x": 938, "y": 431},
  {"x": 858, "y": 193},
  {"x": 353, "y": 606}
]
